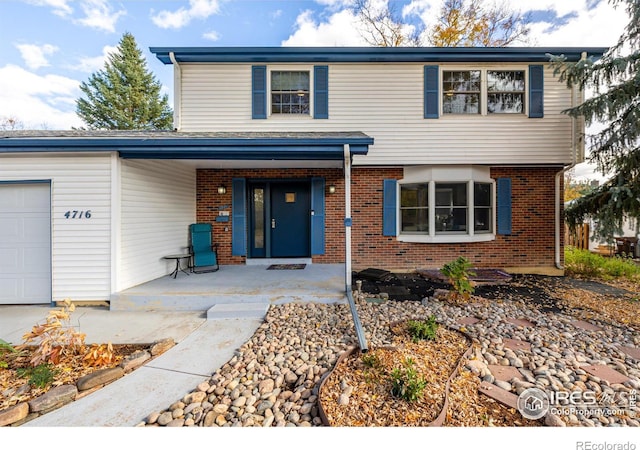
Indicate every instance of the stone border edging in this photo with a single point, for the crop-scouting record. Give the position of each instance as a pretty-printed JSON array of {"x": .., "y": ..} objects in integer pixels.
[
  {"x": 439, "y": 420},
  {"x": 59, "y": 396}
]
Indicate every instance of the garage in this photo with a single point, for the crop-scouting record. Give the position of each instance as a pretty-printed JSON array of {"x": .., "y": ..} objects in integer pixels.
[{"x": 25, "y": 242}]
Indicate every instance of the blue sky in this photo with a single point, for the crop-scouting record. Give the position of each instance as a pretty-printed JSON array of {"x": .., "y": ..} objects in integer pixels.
[{"x": 48, "y": 47}]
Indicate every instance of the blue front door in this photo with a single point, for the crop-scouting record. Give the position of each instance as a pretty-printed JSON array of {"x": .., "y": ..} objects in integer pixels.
[{"x": 289, "y": 223}]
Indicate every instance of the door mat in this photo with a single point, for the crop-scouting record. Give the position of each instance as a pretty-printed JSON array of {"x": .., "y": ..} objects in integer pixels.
[{"x": 286, "y": 266}]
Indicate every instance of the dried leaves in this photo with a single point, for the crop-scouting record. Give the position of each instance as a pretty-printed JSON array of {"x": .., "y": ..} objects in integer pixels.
[
  {"x": 371, "y": 402},
  {"x": 621, "y": 310},
  {"x": 55, "y": 338}
]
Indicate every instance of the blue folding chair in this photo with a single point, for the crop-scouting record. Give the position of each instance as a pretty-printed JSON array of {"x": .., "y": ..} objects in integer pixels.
[{"x": 204, "y": 254}]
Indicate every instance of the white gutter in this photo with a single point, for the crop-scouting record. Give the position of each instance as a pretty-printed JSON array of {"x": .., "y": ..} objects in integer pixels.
[
  {"x": 362, "y": 341},
  {"x": 575, "y": 159},
  {"x": 177, "y": 92}
]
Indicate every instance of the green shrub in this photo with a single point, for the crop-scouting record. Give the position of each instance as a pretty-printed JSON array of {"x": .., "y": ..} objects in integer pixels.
[
  {"x": 458, "y": 273},
  {"x": 592, "y": 265},
  {"x": 6, "y": 350},
  {"x": 371, "y": 360},
  {"x": 406, "y": 383},
  {"x": 423, "y": 329},
  {"x": 40, "y": 376}
]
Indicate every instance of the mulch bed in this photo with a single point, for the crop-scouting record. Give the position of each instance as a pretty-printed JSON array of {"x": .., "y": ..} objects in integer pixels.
[
  {"x": 548, "y": 293},
  {"x": 371, "y": 402}
]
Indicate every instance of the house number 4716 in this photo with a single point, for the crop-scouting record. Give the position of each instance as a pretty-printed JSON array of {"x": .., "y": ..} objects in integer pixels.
[{"x": 78, "y": 214}]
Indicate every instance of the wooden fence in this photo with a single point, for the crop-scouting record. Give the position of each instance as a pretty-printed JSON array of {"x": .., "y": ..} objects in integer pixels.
[{"x": 579, "y": 238}]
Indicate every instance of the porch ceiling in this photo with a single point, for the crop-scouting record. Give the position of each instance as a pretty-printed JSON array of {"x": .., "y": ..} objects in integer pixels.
[{"x": 241, "y": 146}]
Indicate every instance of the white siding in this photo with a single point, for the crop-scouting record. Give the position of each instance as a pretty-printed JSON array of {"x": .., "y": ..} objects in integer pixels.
[
  {"x": 158, "y": 202},
  {"x": 385, "y": 101},
  {"x": 81, "y": 256}
]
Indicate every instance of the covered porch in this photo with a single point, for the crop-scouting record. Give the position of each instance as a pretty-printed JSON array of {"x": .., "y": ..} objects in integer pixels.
[{"x": 249, "y": 287}]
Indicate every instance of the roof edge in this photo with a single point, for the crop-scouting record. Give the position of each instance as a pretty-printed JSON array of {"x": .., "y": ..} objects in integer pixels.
[{"x": 371, "y": 54}]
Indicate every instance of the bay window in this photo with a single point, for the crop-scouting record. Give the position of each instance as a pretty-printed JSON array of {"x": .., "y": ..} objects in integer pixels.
[
  {"x": 432, "y": 209},
  {"x": 414, "y": 208},
  {"x": 451, "y": 207}
]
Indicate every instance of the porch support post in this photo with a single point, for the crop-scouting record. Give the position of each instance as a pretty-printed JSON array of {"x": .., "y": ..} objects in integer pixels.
[{"x": 362, "y": 341}]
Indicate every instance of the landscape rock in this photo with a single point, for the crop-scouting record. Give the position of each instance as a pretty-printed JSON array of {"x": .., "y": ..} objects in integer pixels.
[
  {"x": 53, "y": 398},
  {"x": 14, "y": 414},
  {"x": 135, "y": 360},
  {"x": 99, "y": 377},
  {"x": 162, "y": 346}
]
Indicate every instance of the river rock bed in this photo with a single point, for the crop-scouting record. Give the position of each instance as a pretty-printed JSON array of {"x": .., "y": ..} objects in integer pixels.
[{"x": 273, "y": 379}]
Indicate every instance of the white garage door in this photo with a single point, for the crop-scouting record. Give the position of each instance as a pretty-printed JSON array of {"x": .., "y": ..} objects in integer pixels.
[{"x": 25, "y": 243}]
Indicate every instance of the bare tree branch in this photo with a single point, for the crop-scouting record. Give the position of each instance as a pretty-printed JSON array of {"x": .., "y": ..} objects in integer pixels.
[{"x": 384, "y": 26}]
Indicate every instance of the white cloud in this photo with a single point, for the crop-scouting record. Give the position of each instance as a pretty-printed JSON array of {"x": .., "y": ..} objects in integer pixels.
[
  {"x": 336, "y": 3},
  {"x": 38, "y": 101},
  {"x": 35, "y": 56},
  {"x": 60, "y": 7},
  {"x": 340, "y": 30},
  {"x": 99, "y": 14},
  {"x": 211, "y": 35},
  {"x": 93, "y": 63},
  {"x": 275, "y": 14},
  {"x": 601, "y": 26},
  {"x": 198, "y": 9}
]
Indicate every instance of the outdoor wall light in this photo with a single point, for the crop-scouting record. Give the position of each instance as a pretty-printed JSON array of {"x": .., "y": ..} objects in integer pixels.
[
  {"x": 222, "y": 190},
  {"x": 332, "y": 189}
]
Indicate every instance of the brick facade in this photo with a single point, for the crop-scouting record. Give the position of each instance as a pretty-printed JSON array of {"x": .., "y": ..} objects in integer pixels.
[{"x": 530, "y": 245}]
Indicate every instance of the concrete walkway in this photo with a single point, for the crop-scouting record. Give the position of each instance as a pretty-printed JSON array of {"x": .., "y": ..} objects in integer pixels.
[{"x": 202, "y": 347}]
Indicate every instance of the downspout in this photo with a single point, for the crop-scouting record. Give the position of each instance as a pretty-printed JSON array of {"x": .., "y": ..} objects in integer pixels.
[
  {"x": 177, "y": 88},
  {"x": 574, "y": 162},
  {"x": 362, "y": 341}
]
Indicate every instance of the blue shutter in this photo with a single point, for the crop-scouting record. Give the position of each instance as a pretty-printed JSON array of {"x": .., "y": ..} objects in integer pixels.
[
  {"x": 389, "y": 207},
  {"x": 536, "y": 91},
  {"x": 239, "y": 217},
  {"x": 321, "y": 92},
  {"x": 431, "y": 92},
  {"x": 259, "y": 92},
  {"x": 503, "y": 186},
  {"x": 317, "y": 219}
]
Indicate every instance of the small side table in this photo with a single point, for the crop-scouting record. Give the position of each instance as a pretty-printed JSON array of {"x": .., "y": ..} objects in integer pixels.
[{"x": 178, "y": 268}]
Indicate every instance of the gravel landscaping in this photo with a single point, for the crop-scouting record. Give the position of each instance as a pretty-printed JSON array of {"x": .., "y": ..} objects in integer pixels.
[{"x": 273, "y": 379}]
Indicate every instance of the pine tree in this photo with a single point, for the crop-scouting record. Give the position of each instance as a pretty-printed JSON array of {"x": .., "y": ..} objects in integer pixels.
[
  {"x": 124, "y": 95},
  {"x": 615, "y": 80}
]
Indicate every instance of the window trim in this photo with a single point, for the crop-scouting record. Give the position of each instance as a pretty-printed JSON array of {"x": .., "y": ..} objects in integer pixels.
[
  {"x": 484, "y": 91},
  {"x": 290, "y": 68},
  {"x": 448, "y": 175}
]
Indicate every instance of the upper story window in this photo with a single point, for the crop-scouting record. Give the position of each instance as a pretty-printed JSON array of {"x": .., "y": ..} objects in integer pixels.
[
  {"x": 505, "y": 91},
  {"x": 461, "y": 91},
  {"x": 482, "y": 92},
  {"x": 290, "y": 92}
]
